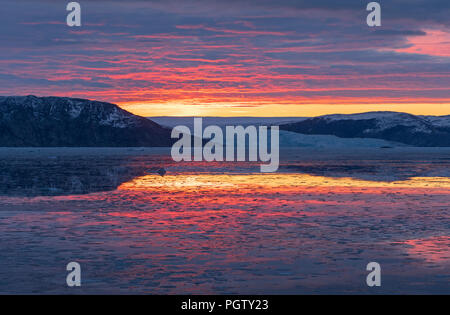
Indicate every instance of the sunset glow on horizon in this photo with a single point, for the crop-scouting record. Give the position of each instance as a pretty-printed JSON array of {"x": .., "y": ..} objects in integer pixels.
[{"x": 277, "y": 110}]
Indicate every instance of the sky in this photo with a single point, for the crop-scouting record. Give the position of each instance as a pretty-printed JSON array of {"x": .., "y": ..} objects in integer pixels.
[{"x": 233, "y": 57}]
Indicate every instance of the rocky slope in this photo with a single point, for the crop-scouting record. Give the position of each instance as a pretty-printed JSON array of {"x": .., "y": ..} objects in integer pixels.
[{"x": 69, "y": 122}]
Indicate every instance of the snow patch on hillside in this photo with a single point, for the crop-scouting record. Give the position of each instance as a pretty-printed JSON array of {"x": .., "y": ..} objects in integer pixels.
[
  {"x": 386, "y": 120},
  {"x": 116, "y": 119},
  {"x": 438, "y": 121}
]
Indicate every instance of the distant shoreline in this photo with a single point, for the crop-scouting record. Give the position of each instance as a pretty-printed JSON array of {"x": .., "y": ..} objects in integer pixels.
[{"x": 310, "y": 152}]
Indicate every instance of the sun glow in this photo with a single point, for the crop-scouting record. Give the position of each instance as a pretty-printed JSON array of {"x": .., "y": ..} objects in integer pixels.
[{"x": 181, "y": 108}]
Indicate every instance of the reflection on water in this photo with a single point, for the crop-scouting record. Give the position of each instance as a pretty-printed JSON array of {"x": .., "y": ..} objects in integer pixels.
[
  {"x": 433, "y": 249},
  {"x": 226, "y": 230},
  {"x": 272, "y": 181},
  {"x": 57, "y": 176}
]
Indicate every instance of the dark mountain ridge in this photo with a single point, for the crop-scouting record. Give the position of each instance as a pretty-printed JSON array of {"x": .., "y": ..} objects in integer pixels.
[
  {"x": 425, "y": 131},
  {"x": 30, "y": 121},
  {"x": 72, "y": 122}
]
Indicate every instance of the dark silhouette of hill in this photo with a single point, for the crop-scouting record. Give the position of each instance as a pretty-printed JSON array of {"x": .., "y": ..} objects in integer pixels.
[
  {"x": 424, "y": 131},
  {"x": 30, "y": 121}
]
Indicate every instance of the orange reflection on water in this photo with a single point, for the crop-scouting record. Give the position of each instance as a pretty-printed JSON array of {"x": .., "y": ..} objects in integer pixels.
[
  {"x": 205, "y": 233},
  {"x": 434, "y": 249},
  {"x": 272, "y": 181}
]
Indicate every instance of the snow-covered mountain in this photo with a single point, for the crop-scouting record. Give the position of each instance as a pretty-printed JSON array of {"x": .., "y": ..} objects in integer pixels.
[
  {"x": 438, "y": 121},
  {"x": 62, "y": 121},
  {"x": 405, "y": 128}
]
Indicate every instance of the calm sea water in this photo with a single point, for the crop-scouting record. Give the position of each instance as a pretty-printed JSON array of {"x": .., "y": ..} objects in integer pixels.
[{"x": 213, "y": 228}]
